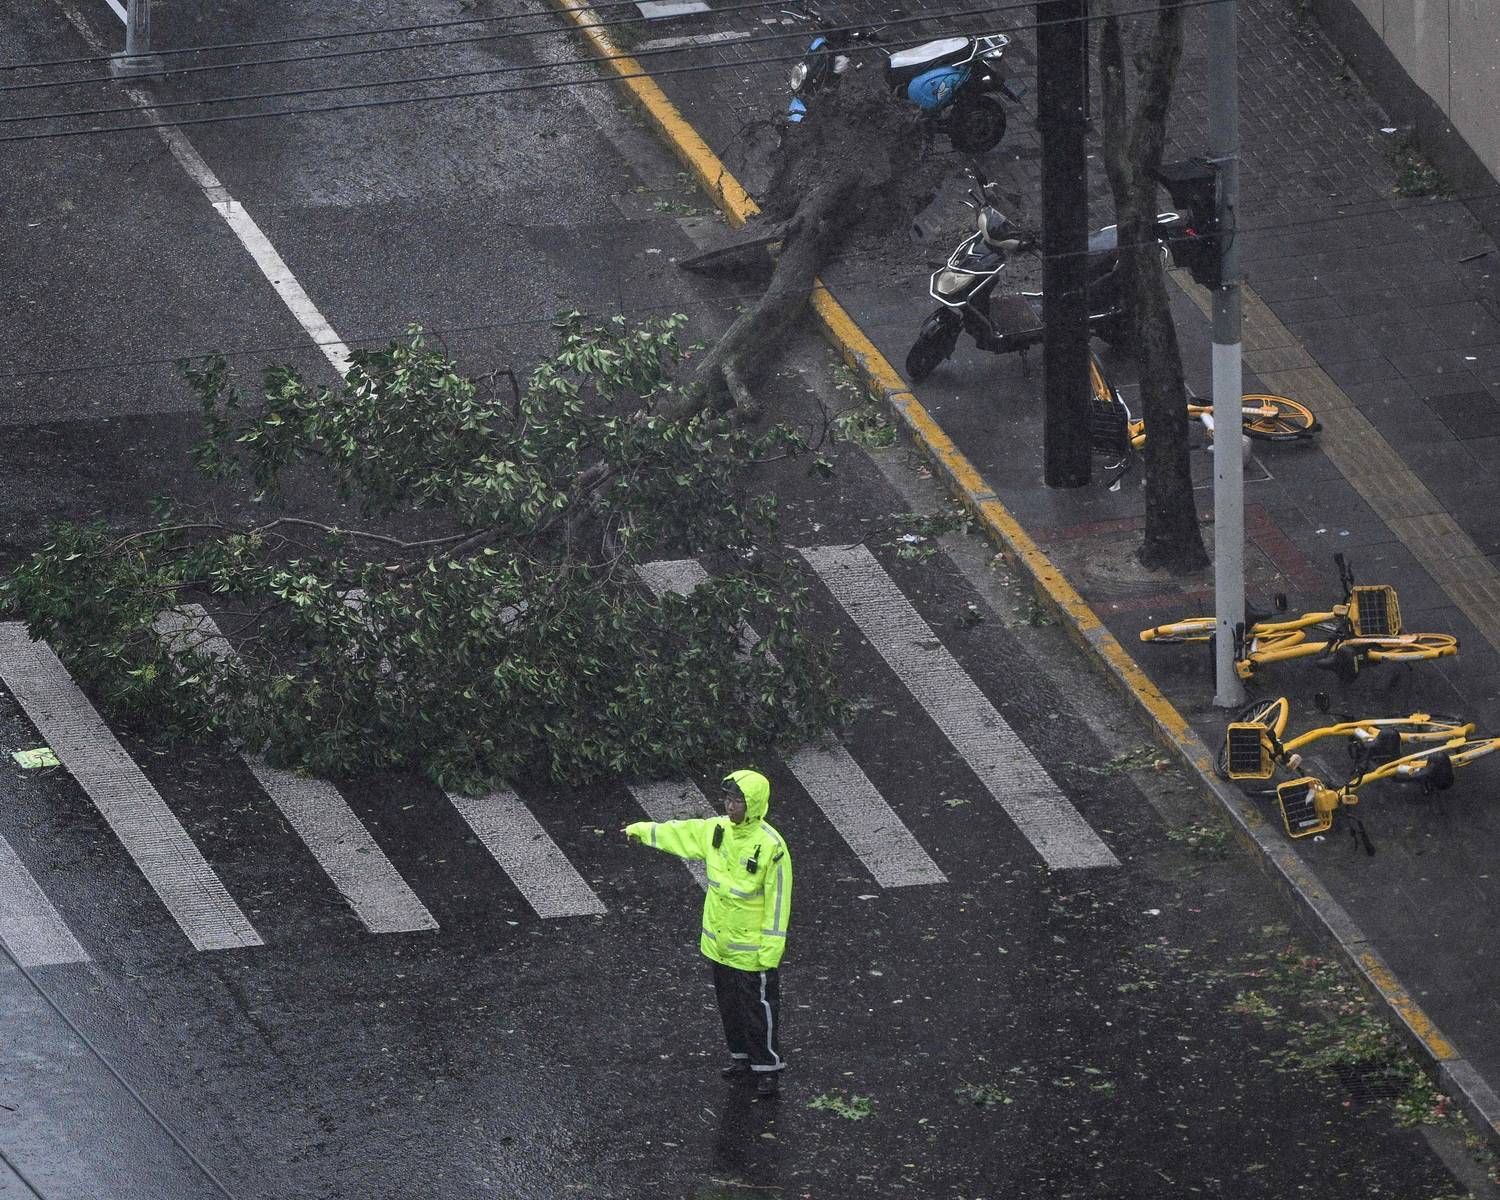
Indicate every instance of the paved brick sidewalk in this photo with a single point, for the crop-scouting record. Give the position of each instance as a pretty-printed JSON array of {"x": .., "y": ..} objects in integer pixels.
[{"x": 1378, "y": 311}]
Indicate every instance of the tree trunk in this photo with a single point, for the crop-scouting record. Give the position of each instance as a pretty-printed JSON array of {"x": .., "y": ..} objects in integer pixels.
[
  {"x": 1067, "y": 452},
  {"x": 1132, "y": 154},
  {"x": 853, "y": 170},
  {"x": 813, "y": 237}
]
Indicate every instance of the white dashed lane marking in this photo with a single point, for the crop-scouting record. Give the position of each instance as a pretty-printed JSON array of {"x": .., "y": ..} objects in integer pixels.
[
  {"x": 245, "y": 229},
  {"x": 659, "y": 9}
]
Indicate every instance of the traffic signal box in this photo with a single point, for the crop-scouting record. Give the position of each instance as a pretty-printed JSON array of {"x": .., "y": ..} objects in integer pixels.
[{"x": 1193, "y": 184}]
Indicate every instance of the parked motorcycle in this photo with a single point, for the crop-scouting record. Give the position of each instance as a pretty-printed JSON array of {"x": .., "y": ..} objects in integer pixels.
[
  {"x": 957, "y": 81},
  {"x": 965, "y": 289}
]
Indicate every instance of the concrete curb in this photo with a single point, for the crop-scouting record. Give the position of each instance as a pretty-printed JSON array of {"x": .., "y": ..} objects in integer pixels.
[{"x": 1323, "y": 917}]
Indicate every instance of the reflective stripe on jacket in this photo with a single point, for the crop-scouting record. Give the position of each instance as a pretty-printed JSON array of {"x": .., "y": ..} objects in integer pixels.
[{"x": 745, "y": 911}]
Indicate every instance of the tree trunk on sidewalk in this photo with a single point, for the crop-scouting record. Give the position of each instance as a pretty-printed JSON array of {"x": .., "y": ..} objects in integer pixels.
[
  {"x": 813, "y": 236},
  {"x": 1061, "y": 49},
  {"x": 852, "y": 171},
  {"x": 1132, "y": 154}
]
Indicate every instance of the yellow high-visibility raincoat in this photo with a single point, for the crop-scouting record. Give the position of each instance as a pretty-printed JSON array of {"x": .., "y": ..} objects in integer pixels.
[{"x": 749, "y": 900}]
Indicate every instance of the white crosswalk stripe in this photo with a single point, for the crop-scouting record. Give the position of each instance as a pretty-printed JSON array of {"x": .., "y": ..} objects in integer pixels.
[
  {"x": 146, "y": 827},
  {"x": 675, "y": 802},
  {"x": 836, "y": 783},
  {"x": 533, "y": 860},
  {"x": 960, "y": 710},
  {"x": 33, "y": 930},
  {"x": 317, "y": 812}
]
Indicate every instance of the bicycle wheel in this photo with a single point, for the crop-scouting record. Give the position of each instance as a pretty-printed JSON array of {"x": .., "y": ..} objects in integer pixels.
[
  {"x": 1282, "y": 421},
  {"x": 1260, "y": 712},
  {"x": 1193, "y": 629},
  {"x": 1415, "y": 647}
]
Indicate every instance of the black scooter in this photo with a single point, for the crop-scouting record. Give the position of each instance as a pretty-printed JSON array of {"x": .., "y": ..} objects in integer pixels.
[{"x": 1004, "y": 324}]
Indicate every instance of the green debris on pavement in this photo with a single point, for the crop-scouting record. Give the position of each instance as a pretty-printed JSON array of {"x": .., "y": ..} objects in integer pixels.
[
  {"x": 982, "y": 1095},
  {"x": 852, "y": 1108},
  {"x": 1139, "y": 759},
  {"x": 42, "y": 756}
]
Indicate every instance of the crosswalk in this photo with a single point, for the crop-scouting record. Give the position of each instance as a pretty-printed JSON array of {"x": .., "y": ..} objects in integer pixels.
[{"x": 868, "y": 824}]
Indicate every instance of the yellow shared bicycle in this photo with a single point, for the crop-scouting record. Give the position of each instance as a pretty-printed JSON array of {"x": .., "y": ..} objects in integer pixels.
[
  {"x": 1255, "y": 743},
  {"x": 1264, "y": 417},
  {"x": 1365, "y": 628},
  {"x": 1309, "y": 806}
]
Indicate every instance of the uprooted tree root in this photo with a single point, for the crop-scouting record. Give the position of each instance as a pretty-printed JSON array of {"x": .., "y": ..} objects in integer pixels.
[{"x": 855, "y": 169}]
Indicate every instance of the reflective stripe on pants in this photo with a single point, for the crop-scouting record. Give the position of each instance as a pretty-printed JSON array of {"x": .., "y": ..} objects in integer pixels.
[{"x": 750, "y": 1007}]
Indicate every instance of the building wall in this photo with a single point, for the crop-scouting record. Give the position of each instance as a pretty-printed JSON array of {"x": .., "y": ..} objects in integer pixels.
[{"x": 1449, "y": 49}]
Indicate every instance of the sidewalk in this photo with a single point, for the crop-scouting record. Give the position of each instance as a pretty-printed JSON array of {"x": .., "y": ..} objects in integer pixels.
[{"x": 1380, "y": 313}]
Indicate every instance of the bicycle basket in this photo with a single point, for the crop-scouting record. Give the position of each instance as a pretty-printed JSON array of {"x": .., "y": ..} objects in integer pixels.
[
  {"x": 1299, "y": 808},
  {"x": 1248, "y": 750},
  {"x": 1374, "y": 612},
  {"x": 1109, "y": 431}
]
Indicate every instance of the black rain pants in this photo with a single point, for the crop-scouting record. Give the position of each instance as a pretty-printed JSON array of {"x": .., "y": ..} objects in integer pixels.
[{"x": 750, "y": 1006}]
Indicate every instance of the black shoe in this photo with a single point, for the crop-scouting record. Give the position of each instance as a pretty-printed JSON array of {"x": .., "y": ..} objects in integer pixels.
[
  {"x": 768, "y": 1083},
  {"x": 738, "y": 1069}
]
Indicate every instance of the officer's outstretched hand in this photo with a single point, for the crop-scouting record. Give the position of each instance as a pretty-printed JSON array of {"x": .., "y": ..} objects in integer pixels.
[{"x": 629, "y": 837}]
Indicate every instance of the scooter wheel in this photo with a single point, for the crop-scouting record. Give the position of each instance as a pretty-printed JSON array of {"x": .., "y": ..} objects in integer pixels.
[
  {"x": 935, "y": 342},
  {"x": 976, "y": 125}
]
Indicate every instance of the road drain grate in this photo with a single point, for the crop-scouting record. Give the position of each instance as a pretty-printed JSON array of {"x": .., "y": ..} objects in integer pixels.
[{"x": 1370, "y": 1084}]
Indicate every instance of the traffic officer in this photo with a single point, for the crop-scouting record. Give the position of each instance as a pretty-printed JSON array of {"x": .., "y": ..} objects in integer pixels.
[{"x": 745, "y": 915}]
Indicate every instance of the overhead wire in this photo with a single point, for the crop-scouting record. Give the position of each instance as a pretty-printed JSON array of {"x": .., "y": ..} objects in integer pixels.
[
  {"x": 10, "y": 1165},
  {"x": 379, "y": 31},
  {"x": 305, "y": 346},
  {"x": 550, "y": 85},
  {"x": 1375, "y": 206},
  {"x": 406, "y": 48},
  {"x": 507, "y": 69}
]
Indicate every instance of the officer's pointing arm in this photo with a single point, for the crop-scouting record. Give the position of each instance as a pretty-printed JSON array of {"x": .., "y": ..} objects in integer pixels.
[{"x": 685, "y": 839}]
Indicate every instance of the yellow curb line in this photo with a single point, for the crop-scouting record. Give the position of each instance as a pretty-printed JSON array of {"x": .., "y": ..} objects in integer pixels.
[
  {"x": 683, "y": 138},
  {"x": 1019, "y": 548}
]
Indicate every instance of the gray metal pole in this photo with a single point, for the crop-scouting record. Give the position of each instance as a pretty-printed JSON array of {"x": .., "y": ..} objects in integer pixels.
[
  {"x": 137, "y": 56},
  {"x": 1229, "y": 464}
]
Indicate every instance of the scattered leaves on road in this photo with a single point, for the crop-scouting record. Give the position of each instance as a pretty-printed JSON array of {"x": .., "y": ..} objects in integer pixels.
[{"x": 852, "y": 1108}]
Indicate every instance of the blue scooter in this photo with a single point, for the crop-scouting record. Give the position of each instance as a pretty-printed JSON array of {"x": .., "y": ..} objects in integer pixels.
[{"x": 955, "y": 80}]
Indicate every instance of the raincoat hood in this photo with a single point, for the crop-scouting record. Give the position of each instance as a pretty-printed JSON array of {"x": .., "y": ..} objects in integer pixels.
[{"x": 756, "y": 789}]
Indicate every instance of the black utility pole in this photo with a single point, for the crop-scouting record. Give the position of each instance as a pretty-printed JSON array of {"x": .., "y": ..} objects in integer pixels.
[{"x": 1062, "y": 44}]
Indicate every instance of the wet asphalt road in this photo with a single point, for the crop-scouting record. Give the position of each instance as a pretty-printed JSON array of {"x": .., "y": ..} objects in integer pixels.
[{"x": 1016, "y": 1031}]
